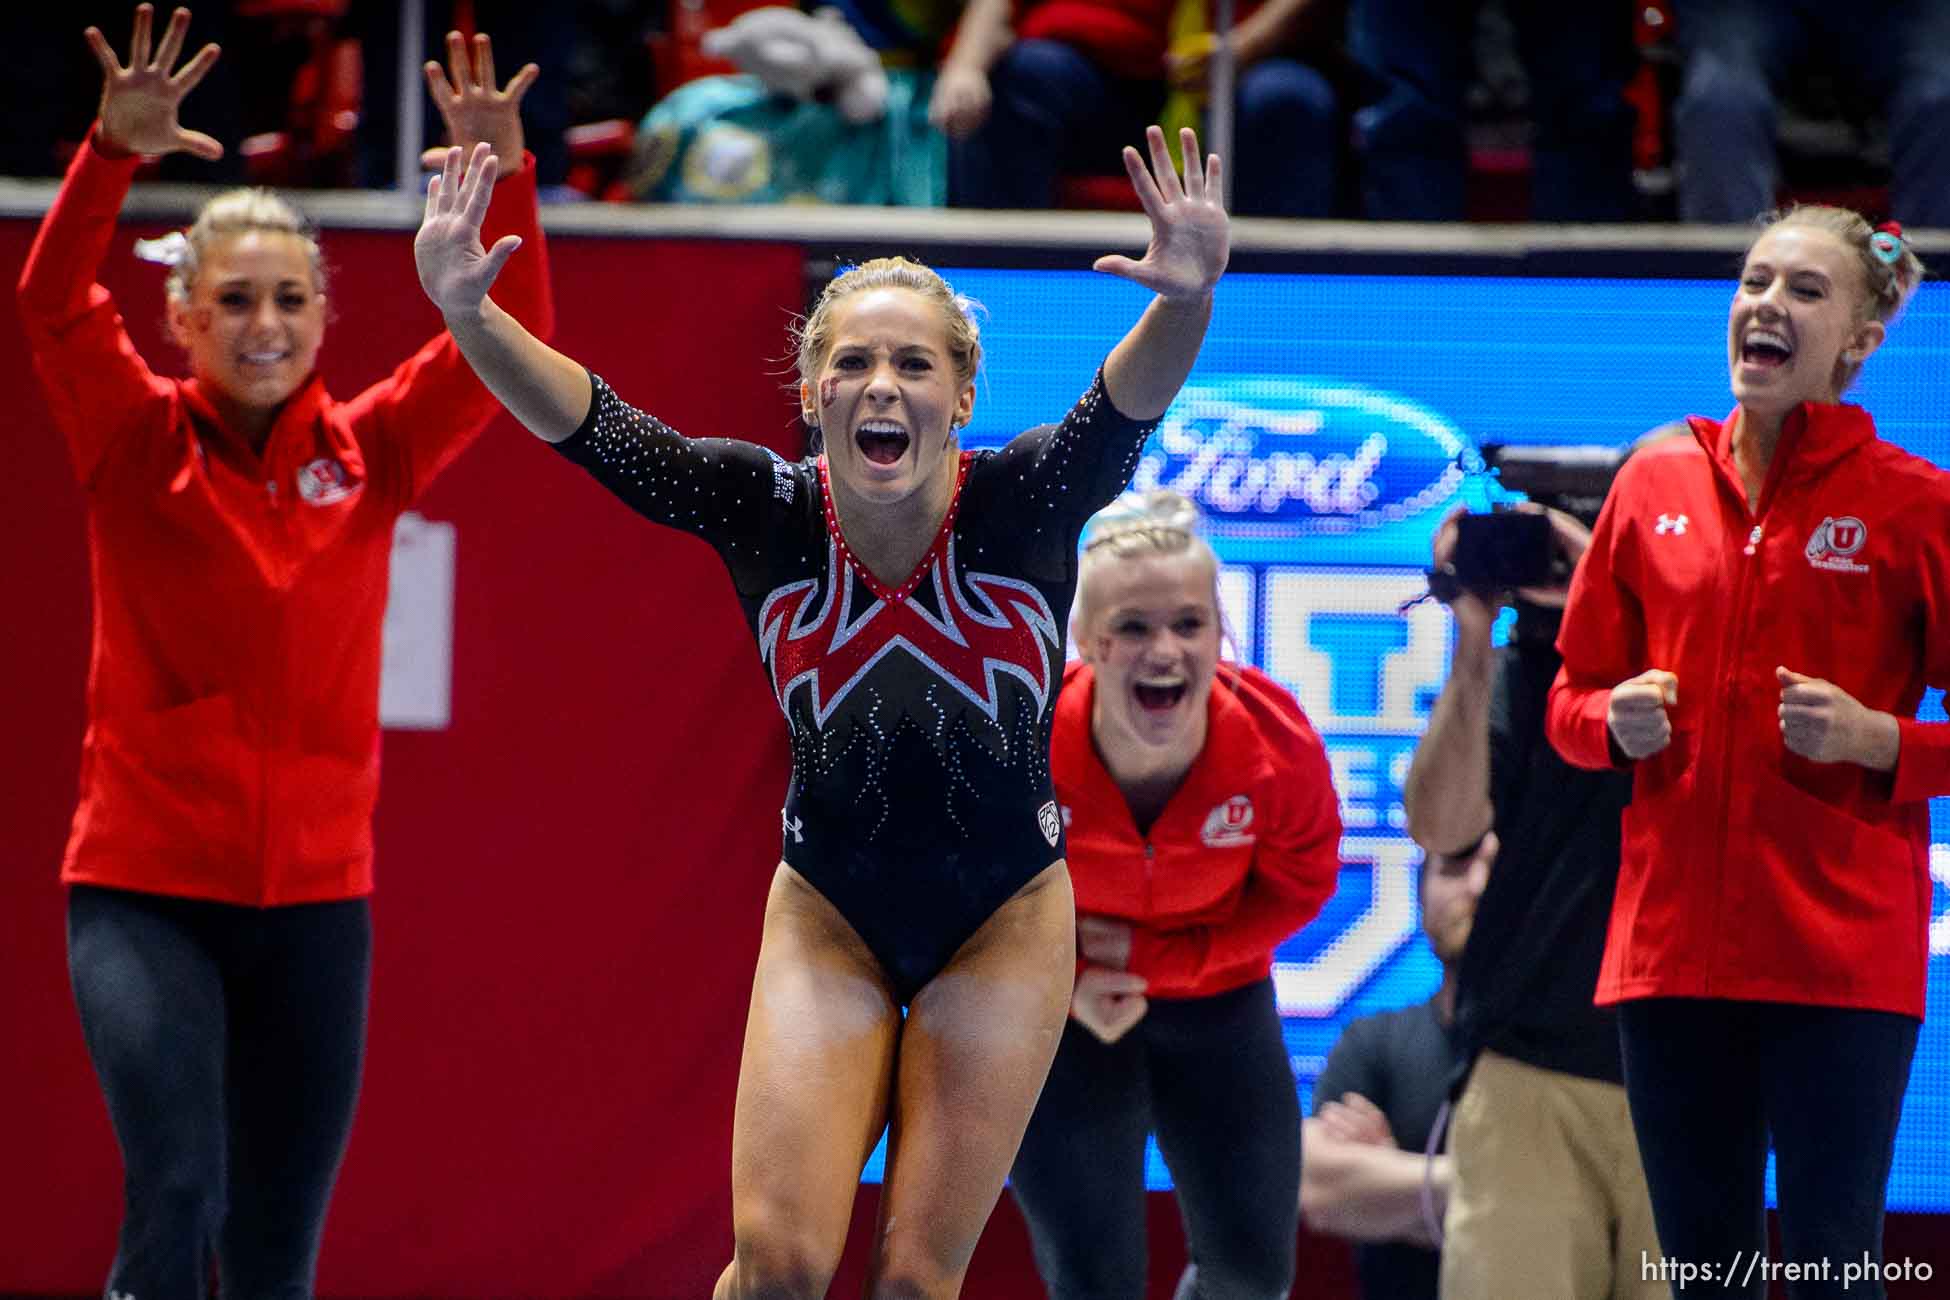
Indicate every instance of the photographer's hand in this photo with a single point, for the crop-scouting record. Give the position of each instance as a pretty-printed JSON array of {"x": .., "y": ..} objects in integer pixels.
[
  {"x": 1446, "y": 794},
  {"x": 1571, "y": 540},
  {"x": 1636, "y": 713},
  {"x": 1474, "y": 614}
]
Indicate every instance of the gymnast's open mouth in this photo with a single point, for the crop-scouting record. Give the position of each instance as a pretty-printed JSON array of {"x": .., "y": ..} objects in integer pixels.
[
  {"x": 1158, "y": 697},
  {"x": 1767, "y": 348},
  {"x": 882, "y": 442}
]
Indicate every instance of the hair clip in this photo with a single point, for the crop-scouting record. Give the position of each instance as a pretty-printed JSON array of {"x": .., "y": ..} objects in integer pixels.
[
  {"x": 170, "y": 249},
  {"x": 1887, "y": 243}
]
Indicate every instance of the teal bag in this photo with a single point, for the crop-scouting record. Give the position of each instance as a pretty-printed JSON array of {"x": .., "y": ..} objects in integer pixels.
[{"x": 730, "y": 140}]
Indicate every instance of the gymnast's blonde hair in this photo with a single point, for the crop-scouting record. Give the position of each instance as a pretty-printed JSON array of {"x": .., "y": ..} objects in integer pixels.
[
  {"x": 1886, "y": 284},
  {"x": 1158, "y": 522},
  {"x": 813, "y": 338}
]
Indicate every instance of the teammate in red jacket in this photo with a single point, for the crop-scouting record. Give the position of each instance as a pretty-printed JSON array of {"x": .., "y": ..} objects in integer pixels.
[
  {"x": 240, "y": 526},
  {"x": 1752, "y": 629},
  {"x": 1203, "y": 831}
]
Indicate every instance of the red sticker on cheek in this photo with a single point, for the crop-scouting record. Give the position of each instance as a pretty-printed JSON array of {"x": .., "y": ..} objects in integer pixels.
[{"x": 829, "y": 392}]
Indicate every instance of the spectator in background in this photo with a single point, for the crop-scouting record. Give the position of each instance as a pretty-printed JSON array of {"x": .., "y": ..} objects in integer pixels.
[
  {"x": 1368, "y": 1175},
  {"x": 961, "y": 46},
  {"x": 1412, "y": 140},
  {"x": 840, "y": 106},
  {"x": 1548, "y": 1197},
  {"x": 1083, "y": 77},
  {"x": 1739, "y": 53}
]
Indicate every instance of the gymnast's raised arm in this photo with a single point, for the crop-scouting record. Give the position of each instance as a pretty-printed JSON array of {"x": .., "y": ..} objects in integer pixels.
[
  {"x": 1190, "y": 242},
  {"x": 543, "y": 389}
]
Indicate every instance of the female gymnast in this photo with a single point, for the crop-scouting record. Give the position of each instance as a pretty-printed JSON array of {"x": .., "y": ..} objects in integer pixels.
[
  {"x": 240, "y": 525},
  {"x": 1203, "y": 831},
  {"x": 908, "y": 599},
  {"x": 1751, "y": 632}
]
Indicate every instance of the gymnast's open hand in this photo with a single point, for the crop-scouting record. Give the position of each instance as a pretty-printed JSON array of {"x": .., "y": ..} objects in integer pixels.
[
  {"x": 1190, "y": 234},
  {"x": 455, "y": 270},
  {"x": 139, "y": 102},
  {"x": 473, "y": 109}
]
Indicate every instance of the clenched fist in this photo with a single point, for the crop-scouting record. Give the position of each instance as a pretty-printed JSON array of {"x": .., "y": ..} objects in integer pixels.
[
  {"x": 1824, "y": 723},
  {"x": 1637, "y": 712}
]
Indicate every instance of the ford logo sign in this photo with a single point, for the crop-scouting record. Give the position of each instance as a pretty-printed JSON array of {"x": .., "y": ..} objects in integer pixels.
[{"x": 1277, "y": 457}]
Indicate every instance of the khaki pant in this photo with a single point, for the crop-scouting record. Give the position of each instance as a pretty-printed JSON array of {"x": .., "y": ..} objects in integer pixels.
[{"x": 1548, "y": 1200}]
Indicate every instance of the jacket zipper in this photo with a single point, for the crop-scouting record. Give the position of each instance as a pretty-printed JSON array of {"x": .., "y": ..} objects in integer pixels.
[
  {"x": 267, "y": 739},
  {"x": 1150, "y": 860},
  {"x": 1730, "y": 675},
  {"x": 1748, "y": 560}
]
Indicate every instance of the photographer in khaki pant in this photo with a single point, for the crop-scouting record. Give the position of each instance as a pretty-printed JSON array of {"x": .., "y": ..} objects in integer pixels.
[{"x": 1548, "y": 1197}]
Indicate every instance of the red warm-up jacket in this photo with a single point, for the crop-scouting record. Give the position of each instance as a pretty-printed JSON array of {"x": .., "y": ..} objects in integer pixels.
[
  {"x": 1242, "y": 856},
  {"x": 232, "y": 750},
  {"x": 1748, "y": 871}
]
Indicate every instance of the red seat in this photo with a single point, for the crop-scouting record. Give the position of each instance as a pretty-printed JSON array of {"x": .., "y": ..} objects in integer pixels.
[{"x": 1100, "y": 193}]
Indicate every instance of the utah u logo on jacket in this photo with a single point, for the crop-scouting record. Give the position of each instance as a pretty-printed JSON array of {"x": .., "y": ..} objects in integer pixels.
[
  {"x": 1834, "y": 543},
  {"x": 325, "y": 482},
  {"x": 1006, "y": 628},
  {"x": 1229, "y": 825}
]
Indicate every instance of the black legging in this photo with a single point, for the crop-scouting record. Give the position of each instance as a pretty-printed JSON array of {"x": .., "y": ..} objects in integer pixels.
[
  {"x": 1211, "y": 1077},
  {"x": 228, "y": 1042},
  {"x": 1710, "y": 1080}
]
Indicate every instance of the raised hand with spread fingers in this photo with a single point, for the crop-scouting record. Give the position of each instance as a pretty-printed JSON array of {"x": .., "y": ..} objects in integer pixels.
[
  {"x": 1190, "y": 243},
  {"x": 139, "y": 101},
  {"x": 455, "y": 270},
  {"x": 1190, "y": 234},
  {"x": 474, "y": 110}
]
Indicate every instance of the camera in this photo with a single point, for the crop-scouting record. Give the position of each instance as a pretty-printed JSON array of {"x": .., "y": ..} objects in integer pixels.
[
  {"x": 1502, "y": 551},
  {"x": 1507, "y": 549},
  {"x": 1573, "y": 479}
]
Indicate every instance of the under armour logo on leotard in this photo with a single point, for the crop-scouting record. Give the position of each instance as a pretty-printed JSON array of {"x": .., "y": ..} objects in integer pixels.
[
  {"x": 1002, "y": 626},
  {"x": 794, "y": 826}
]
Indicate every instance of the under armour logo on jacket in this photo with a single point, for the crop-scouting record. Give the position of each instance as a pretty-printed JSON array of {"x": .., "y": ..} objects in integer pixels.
[{"x": 1671, "y": 524}]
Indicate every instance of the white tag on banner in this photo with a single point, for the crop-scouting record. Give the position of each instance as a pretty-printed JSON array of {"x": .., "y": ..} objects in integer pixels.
[{"x": 417, "y": 666}]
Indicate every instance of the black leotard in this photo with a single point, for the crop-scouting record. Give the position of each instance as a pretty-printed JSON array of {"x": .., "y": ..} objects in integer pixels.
[{"x": 920, "y": 716}]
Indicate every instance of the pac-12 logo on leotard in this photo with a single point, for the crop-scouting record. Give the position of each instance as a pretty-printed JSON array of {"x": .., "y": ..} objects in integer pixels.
[
  {"x": 1001, "y": 626},
  {"x": 1051, "y": 822}
]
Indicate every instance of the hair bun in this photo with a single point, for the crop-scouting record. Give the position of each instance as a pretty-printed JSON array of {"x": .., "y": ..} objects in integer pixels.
[
  {"x": 1154, "y": 513},
  {"x": 1168, "y": 509}
]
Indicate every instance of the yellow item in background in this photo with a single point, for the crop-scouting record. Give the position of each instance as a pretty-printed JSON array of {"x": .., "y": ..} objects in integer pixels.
[{"x": 1191, "y": 37}]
